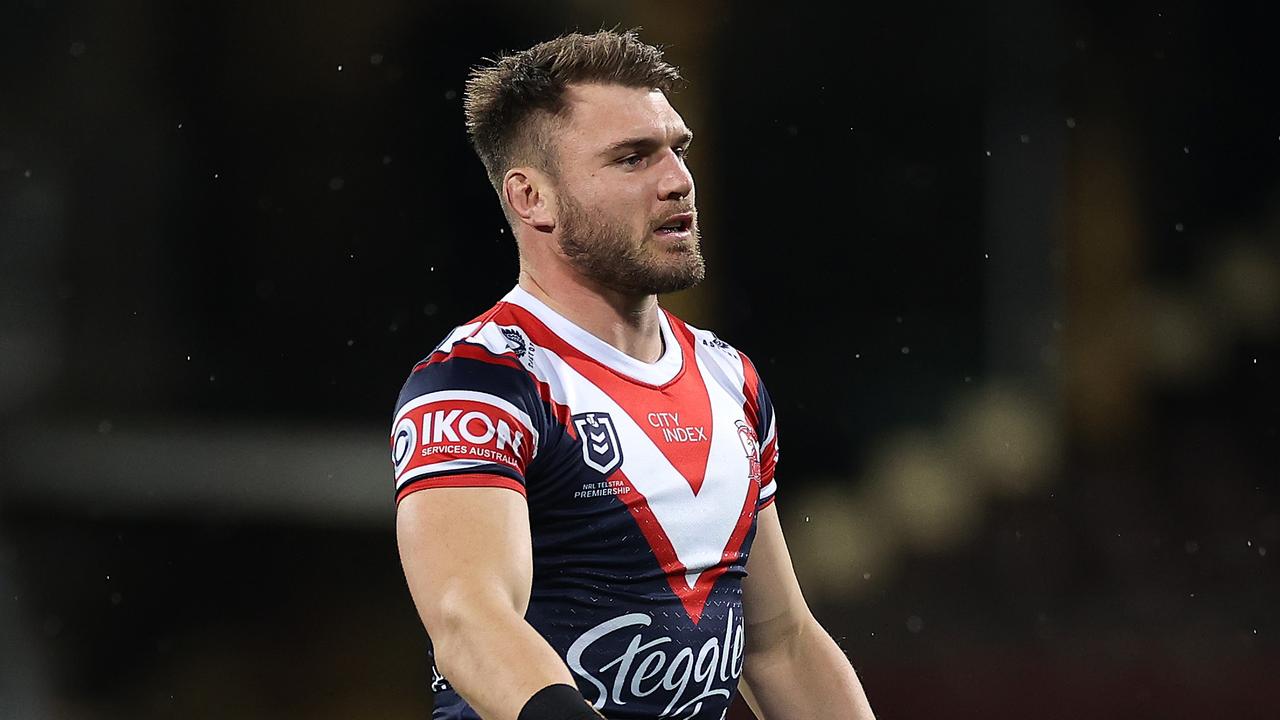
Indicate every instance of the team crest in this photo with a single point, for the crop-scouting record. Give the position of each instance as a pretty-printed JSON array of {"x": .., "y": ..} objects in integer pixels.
[
  {"x": 518, "y": 344},
  {"x": 600, "y": 448}
]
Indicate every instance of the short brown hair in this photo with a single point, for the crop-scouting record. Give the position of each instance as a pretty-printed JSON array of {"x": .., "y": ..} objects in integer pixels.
[{"x": 509, "y": 101}]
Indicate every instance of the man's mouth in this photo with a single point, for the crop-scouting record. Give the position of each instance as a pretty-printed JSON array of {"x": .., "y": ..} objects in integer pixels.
[{"x": 676, "y": 225}]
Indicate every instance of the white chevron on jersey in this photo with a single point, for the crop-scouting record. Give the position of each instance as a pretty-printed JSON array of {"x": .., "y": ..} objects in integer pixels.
[{"x": 698, "y": 524}]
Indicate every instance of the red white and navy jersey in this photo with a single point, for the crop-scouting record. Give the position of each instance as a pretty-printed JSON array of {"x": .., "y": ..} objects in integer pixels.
[{"x": 643, "y": 481}]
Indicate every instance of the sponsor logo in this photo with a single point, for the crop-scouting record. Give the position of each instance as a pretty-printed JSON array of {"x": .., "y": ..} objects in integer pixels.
[
  {"x": 403, "y": 442},
  {"x": 475, "y": 427},
  {"x": 609, "y": 486},
  {"x": 651, "y": 664},
  {"x": 673, "y": 430},
  {"x": 600, "y": 448},
  {"x": 719, "y": 344},
  {"x": 750, "y": 444},
  {"x": 460, "y": 426}
]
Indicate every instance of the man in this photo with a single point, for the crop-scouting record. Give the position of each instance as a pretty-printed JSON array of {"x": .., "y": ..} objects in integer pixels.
[{"x": 580, "y": 475}]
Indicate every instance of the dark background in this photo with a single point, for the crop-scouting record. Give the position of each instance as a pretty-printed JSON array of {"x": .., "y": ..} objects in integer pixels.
[{"x": 1010, "y": 270}]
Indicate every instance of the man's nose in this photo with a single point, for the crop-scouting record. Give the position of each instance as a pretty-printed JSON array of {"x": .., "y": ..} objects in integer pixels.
[{"x": 677, "y": 181}]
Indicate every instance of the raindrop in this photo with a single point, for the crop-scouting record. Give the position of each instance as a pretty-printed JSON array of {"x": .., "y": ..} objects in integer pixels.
[
  {"x": 339, "y": 68},
  {"x": 336, "y": 183},
  {"x": 915, "y": 624},
  {"x": 988, "y": 153},
  {"x": 906, "y": 350},
  {"x": 375, "y": 59},
  {"x": 351, "y": 342},
  {"x": 1186, "y": 150},
  {"x": 450, "y": 94},
  {"x": 1178, "y": 227},
  {"x": 1024, "y": 139},
  {"x": 1071, "y": 122},
  {"x": 26, "y": 174},
  {"x": 77, "y": 49}
]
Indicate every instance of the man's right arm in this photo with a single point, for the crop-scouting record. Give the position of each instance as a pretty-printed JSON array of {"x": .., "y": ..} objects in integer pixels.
[{"x": 467, "y": 556}]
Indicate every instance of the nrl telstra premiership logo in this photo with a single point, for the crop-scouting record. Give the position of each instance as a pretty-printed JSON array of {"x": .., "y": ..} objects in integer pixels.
[{"x": 600, "y": 448}]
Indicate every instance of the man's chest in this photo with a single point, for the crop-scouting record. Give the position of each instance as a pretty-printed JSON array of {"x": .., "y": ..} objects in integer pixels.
[{"x": 679, "y": 463}]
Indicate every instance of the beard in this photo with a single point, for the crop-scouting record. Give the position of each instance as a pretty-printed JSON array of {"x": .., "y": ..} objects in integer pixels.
[{"x": 611, "y": 255}]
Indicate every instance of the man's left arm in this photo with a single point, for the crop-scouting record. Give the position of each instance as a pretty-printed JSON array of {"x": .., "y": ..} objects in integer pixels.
[{"x": 793, "y": 669}]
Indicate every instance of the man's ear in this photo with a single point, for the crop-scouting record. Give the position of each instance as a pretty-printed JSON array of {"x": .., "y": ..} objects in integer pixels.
[{"x": 531, "y": 197}]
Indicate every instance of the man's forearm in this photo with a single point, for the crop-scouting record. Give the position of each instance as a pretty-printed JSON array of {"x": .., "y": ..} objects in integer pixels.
[
  {"x": 805, "y": 676},
  {"x": 496, "y": 661}
]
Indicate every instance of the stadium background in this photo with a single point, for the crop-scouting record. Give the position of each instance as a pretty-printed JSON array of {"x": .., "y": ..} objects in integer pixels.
[{"x": 1011, "y": 271}]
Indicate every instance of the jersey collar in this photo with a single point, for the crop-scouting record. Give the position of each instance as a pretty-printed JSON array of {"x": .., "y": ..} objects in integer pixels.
[{"x": 659, "y": 372}]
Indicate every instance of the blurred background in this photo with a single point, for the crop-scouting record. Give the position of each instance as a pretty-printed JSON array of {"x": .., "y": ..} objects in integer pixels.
[{"x": 1011, "y": 271}]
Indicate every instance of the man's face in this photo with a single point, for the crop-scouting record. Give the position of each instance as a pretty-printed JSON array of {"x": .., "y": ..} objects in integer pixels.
[{"x": 626, "y": 210}]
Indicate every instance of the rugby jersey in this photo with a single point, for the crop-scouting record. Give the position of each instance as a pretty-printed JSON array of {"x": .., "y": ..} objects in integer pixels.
[{"x": 643, "y": 482}]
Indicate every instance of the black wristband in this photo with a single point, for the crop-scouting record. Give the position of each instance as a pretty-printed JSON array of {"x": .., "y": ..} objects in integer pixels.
[{"x": 558, "y": 702}]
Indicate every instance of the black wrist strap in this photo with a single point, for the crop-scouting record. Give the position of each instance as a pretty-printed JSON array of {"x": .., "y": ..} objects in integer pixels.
[{"x": 558, "y": 702}]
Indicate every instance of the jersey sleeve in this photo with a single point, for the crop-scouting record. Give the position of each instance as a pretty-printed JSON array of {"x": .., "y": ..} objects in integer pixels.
[
  {"x": 760, "y": 407},
  {"x": 466, "y": 417}
]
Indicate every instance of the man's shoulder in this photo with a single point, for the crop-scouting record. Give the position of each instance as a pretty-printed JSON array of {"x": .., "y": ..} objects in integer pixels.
[
  {"x": 490, "y": 353},
  {"x": 495, "y": 335},
  {"x": 713, "y": 345}
]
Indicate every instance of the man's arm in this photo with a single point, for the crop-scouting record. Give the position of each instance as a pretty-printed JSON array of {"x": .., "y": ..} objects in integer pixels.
[
  {"x": 793, "y": 669},
  {"x": 467, "y": 557}
]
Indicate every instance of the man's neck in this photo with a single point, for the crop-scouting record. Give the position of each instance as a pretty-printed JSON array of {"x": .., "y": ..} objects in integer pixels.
[{"x": 627, "y": 322}]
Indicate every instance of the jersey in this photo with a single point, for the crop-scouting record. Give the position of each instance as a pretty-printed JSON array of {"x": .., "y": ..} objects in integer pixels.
[{"x": 642, "y": 480}]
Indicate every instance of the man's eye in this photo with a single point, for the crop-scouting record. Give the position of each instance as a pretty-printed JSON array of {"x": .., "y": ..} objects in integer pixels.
[
  {"x": 631, "y": 160},
  {"x": 682, "y": 152}
]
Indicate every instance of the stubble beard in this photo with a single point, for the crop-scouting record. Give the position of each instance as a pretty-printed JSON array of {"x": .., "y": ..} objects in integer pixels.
[{"x": 610, "y": 255}]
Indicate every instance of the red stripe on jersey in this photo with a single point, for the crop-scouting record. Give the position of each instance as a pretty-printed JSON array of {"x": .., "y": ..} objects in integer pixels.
[
  {"x": 677, "y": 420},
  {"x": 751, "y": 408},
  {"x": 476, "y": 352},
  {"x": 470, "y": 352},
  {"x": 751, "y": 388},
  {"x": 693, "y": 598},
  {"x": 458, "y": 481}
]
